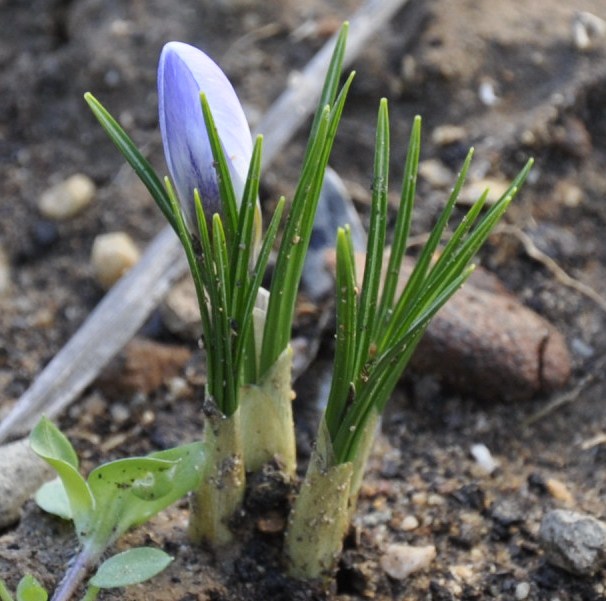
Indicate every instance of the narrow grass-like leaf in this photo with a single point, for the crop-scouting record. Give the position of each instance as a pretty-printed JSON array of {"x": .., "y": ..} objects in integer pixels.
[
  {"x": 295, "y": 241},
  {"x": 198, "y": 275},
  {"x": 257, "y": 276},
  {"x": 225, "y": 329},
  {"x": 403, "y": 222},
  {"x": 331, "y": 83},
  {"x": 386, "y": 372},
  {"x": 367, "y": 312},
  {"x": 216, "y": 342},
  {"x": 343, "y": 380},
  {"x": 229, "y": 202},
  {"x": 402, "y": 306},
  {"x": 246, "y": 236},
  {"x": 282, "y": 297},
  {"x": 131, "y": 153}
]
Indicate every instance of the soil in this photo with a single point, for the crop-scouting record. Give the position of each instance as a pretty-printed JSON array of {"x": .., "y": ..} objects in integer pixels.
[{"x": 510, "y": 74}]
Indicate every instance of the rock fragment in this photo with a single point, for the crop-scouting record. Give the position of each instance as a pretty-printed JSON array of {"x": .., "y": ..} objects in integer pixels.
[
  {"x": 399, "y": 561},
  {"x": 21, "y": 473},
  {"x": 113, "y": 254},
  {"x": 143, "y": 366},
  {"x": 180, "y": 311},
  {"x": 67, "y": 198},
  {"x": 573, "y": 541}
]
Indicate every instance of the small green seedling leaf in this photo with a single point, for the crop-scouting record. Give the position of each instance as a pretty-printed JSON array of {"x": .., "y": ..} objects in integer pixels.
[
  {"x": 52, "y": 498},
  {"x": 51, "y": 445},
  {"x": 130, "y": 567},
  {"x": 48, "y": 441},
  {"x": 4, "y": 592},
  {"x": 184, "y": 475},
  {"x": 29, "y": 589},
  {"x": 146, "y": 478}
]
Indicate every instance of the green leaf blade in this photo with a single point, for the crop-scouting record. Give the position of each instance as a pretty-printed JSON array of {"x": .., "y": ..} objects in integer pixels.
[
  {"x": 51, "y": 445},
  {"x": 130, "y": 567},
  {"x": 375, "y": 248},
  {"x": 133, "y": 156},
  {"x": 29, "y": 589}
]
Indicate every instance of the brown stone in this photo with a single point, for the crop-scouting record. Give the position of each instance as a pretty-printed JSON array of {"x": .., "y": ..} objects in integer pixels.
[{"x": 143, "y": 366}]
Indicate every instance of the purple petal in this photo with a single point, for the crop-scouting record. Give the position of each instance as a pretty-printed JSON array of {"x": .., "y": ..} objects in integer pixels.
[{"x": 183, "y": 73}]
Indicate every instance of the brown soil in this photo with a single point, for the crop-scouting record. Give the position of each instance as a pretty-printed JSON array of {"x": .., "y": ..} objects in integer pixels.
[{"x": 431, "y": 60}]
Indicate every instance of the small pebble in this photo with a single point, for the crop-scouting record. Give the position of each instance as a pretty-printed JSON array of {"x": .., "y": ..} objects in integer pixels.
[
  {"x": 444, "y": 135},
  {"x": 559, "y": 491},
  {"x": 472, "y": 191},
  {"x": 568, "y": 194},
  {"x": 481, "y": 453},
  {"x": 436, "y": 173},
  {"x": 177, "y": 388},
  {"x": 112, "y": 256},
  {"x": 22, "y": 472},
  {"x": 119, "y": 412},
  {"x": 586, "y": 29},
  {"x": 399, "y": 561},
  {"x": 522, "y": 591},
  {"x": 67, "y": 198},
  {"x": 408, "y": 523},
  {"x": 486, "y": 92},
  {"x": 180, "y": 311},
  {"x": 272, "y": 523},
  {"x": 463, "y": 573},
  {"x": 573, "y": 541}
]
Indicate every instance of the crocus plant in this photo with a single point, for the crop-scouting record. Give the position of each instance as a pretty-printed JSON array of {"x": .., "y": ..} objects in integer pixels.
[{"x": 211, "y": 202}]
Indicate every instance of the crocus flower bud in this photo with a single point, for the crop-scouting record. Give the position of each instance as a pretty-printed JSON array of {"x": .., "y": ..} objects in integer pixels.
[{"x": 184, "y": 72}]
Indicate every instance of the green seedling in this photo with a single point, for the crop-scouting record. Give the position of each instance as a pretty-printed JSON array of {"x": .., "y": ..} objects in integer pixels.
[
  {"x": 28, "y": 589},
  {"x": 115, "y": 497}
]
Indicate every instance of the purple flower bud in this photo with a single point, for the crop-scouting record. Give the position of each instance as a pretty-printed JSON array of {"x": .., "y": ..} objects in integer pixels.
[{"x": 184, "y": 72}]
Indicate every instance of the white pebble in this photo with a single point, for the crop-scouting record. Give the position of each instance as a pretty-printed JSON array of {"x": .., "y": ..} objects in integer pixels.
[
  {"x": 67, "y": 198},
  {"x": 112, "y": 256},
  {"x": 487, "y": 93},
  {"x": 481, "y": 453},
  {"x": 522, "y": 591},
  {"x": 22, "y": 472},
  {"x": 586, "y": 28},
  {"x": 399, "y": 561},
  {"x": 408, "y": 523}
]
